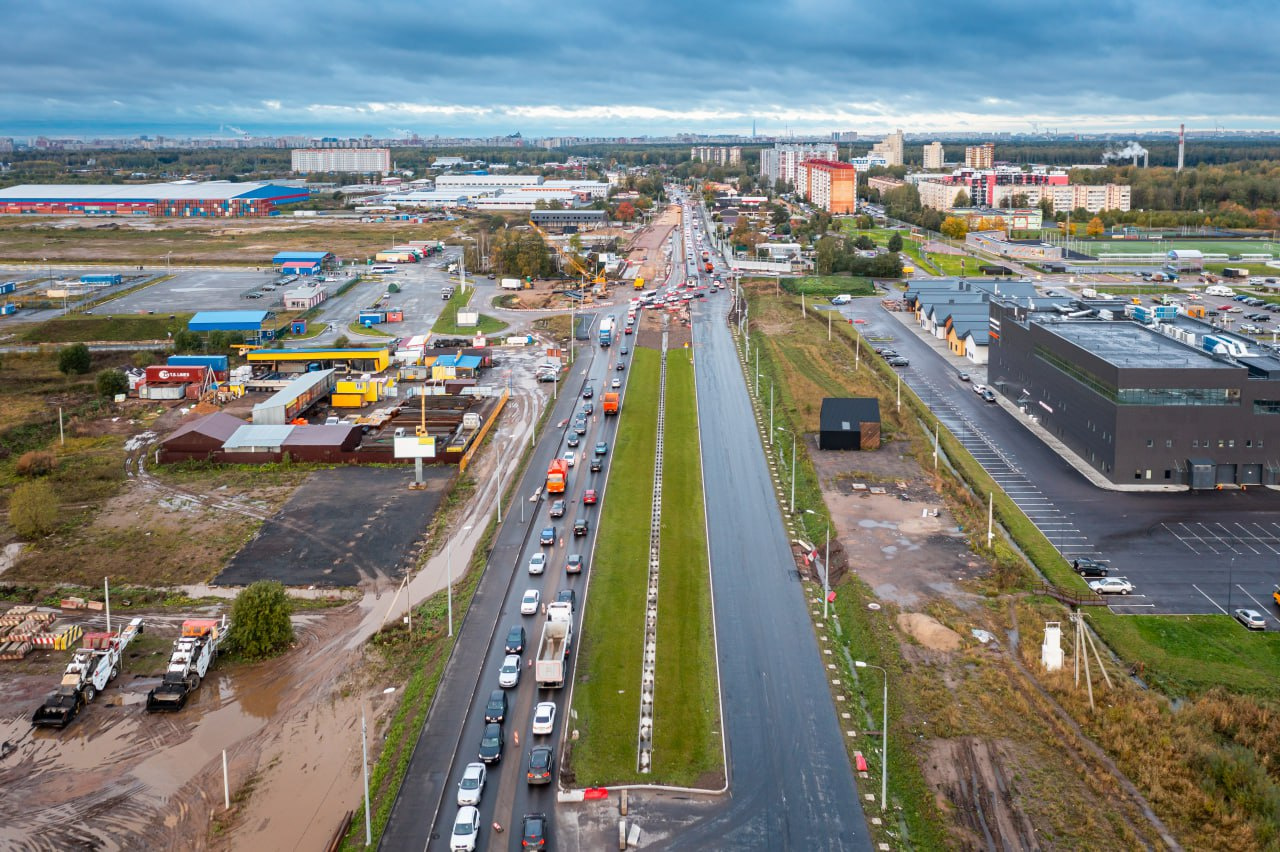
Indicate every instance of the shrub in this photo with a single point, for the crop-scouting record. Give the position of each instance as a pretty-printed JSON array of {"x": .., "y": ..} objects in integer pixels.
[
  {"x": 74, "y": 359},
  {"x": 111, "y": 382},
  {"x": 342, "y": 342},
  {"x": 36, "y": 463},
  {"x": 260, "y": 625},
  {"x": 143, "y": 358},
  {"x": 33, "y": 509}
]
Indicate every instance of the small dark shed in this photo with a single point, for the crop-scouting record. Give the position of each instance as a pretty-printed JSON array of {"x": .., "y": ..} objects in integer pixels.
[{"x": 849, "y": 423}]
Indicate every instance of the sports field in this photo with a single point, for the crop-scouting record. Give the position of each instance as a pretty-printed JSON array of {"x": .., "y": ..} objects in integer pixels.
[{"x": 1102, "y": 248}]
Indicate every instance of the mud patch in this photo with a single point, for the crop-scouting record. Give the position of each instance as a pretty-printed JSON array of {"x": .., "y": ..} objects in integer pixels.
[
  {"x": 318, "y": 539},
  {"x": 971, "y": 775},
  {"x": 930, "y": 632}
]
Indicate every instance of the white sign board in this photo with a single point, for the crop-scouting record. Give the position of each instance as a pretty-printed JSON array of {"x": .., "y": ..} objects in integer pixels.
[
  {"x": 413, "y": 447},
  {"x": 468, "y": 319}
]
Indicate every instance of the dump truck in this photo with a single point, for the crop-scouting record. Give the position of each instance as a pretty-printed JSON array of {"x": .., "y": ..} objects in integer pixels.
[
  {"x": 92, "y": 667},
  {"x": 607, "y": 326},
  {"x": 612, "y": 402},
  {"x": 193, "y": 654},
  {"x": 557, "y": 476},
  {"x": 553, "y": 647}
]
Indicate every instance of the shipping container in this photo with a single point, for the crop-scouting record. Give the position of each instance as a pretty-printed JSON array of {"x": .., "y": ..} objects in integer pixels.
[
  {"x": 161, "y": 374},
  {"x": 347, "y": 400},
  {"x": 217, "y": 363}
]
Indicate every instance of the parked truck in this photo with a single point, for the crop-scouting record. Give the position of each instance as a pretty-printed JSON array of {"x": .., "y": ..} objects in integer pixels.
[
  {"x": 90, "y": 670},
  {"x": 557, "y": 476},
  {"x": 553, "y": 647},
  {"x": 193, "y": 654},
  {"x": 510, "y": 284},
  {"x": 612, "y": 402},
  {"x": 607, "y": 326}
]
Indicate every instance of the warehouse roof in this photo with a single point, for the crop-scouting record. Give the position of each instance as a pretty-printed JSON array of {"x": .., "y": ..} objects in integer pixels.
[
  {"x": 218, "y": 425},
  {"x": 206, "y": 190},
  {"x": 228, "y": 321},
  {"x": 843, "y": 414},
  {"x": 321, "y": 436},
  {"x": 295, "y": 389},
  {"x": 304, "y": 256},
  {"x": 1128, "y": 344},
  {"x": 251, "y": 436}
]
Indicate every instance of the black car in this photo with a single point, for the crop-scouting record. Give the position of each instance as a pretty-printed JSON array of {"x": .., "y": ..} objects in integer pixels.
[
  {"x": 548, "y": 535},
  {"x": 580, "y": 526},
  {"x": 496, "y": 709},
  {"x": 580, "y": 425},
  {"x": 567, "y": 596},
  {"x": 515, "y": 640},
  {"x": 573, "y": 440},
  {"x": 588, "y": 392},
  {"x": 622, "y": 365},
  {"x": 533, "y": 831},
  {"x": 898, "y": 361},
  {"x": 588, "y": 408},
  {"x": 491, "y": 743},
  {"x": 541, "y": 760},
  {"x": 1089, "y": 568},
  {"x": 623, "y": 351},
  {"x": 597, "y": 464}
]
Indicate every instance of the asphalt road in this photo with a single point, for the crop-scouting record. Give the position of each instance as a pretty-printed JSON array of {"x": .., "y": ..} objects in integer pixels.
[
  {"x": 423, "y": 814},
  {"x": 1186, "y": 552}
]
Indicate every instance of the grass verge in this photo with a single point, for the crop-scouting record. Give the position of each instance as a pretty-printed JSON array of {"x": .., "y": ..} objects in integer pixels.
[
  {"x": 447, "y": 324},
  {"x": 687, "y": 727},
  {"x": 606, "y": 694},
  {"x": 829, "y": 285},
  {"x": 78, "y": 328}
]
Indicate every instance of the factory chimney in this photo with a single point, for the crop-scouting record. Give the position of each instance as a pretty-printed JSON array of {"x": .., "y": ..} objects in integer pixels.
[
  {"x": 1182, "y": 144},
  {"x": 1146, "y": 159}
]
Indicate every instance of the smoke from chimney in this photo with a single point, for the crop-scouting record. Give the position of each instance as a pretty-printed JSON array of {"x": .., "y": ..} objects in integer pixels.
[{"x": 1133, "y": 149}]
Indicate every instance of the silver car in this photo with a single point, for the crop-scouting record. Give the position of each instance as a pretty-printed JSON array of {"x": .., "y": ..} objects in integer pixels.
[{"x": 509, "y": 674}]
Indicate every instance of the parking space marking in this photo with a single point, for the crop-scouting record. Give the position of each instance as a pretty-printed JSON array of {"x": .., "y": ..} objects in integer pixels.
[
  {"x": 1209, "y": 599},
  {"x": 1263, "y": 542},
  {"x": 1261, "y": 606},
  {"x": 1228, "y": 537}
]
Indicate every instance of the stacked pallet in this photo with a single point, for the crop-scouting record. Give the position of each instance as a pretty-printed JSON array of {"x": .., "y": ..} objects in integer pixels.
[{"x": 32, "y": 626}]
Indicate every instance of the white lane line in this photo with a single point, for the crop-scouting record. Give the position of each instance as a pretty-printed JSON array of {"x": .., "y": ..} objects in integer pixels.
[
  {"x": 1209, "y": 599},
  {"x": 1189, "y": 546},
  {"x": 1255, "y": 537},
  {"x": 1229, "y": 536},
  {"x": 1262, "y": 608}
]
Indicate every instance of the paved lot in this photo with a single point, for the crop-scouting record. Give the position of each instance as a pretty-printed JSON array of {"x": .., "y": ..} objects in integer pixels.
[
  {"x": 316, "y": 540},
  {"x": 198, "y": 290},
  {"x": 1201, "y": 552}
]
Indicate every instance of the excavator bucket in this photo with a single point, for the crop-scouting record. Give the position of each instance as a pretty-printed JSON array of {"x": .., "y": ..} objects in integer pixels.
[
  {"x": 168, "y": 698},
  {"x": 57, "y": 711}
]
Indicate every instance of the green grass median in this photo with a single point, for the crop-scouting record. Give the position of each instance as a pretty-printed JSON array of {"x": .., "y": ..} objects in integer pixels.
[
  {"x": 447, "y": 324},
  {"x": 606, "y": 694}
]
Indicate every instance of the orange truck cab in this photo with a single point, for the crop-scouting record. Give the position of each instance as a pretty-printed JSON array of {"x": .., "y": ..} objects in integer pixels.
[{"x": 612, "y": 402}]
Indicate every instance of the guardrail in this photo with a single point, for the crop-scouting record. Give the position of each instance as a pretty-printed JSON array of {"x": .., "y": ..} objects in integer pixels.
[{"x": 648, "y": 667}]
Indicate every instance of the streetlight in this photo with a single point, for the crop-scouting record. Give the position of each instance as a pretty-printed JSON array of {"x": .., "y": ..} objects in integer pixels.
[
  {"x": 793, "y": 467},
  {"x": 884, "y": 736},
  {"x": 449, "y": 564}
]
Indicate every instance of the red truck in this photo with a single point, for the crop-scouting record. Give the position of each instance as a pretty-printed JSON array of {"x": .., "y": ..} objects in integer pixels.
[
  {"x": 558, "y": 473},
  {"x": 612, "y": 403}
]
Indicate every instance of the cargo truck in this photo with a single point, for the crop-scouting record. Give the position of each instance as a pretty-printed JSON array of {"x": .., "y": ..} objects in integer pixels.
[
  {"x": 510, "y": 284},
  {"x": 612, "y": 402},
  {"x": 88, "y": 673},
  {"x": 607, "y": 325},
  {"x": 553, "y": 647},
  {"x": 557, "y": 476}
]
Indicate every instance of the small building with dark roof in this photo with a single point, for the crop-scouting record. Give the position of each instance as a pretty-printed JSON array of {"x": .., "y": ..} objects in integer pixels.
[
  {"x": 201, "y": 438},
  {"x": 849, "y": 423},
  {"x": 569, "y": 221}
]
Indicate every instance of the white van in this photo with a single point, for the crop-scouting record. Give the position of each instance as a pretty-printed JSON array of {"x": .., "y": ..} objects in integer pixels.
[
  {"x": 842, "y": 299},
  {"x": 1218, "y": 290}
]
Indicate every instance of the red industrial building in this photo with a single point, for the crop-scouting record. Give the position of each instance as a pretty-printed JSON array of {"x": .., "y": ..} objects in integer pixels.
[{"x": 211, "y": 199}]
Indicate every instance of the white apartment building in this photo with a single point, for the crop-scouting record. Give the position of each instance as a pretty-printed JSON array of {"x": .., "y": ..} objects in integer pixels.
[
  {"x": 717, "y": 154},
  {"x": 890, "y": 148},
  {"x": 519, "y": 200},
  {"x": 933, "y": 156},
  {"x": 1109, "y": 196},
  {"x": 593, "y": 188},
  {"x": 357, "y": 160},
  {"x": 780, "y": 161}
]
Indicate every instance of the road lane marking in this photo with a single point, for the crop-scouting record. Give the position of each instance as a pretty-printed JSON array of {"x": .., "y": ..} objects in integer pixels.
[{"x": 1209, "y": 599}]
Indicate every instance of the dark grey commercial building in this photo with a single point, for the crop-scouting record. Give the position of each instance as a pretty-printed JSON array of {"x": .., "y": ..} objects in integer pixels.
[
  {"x": 1175, "y": 402},
  {"x": 569, "y": 221}
]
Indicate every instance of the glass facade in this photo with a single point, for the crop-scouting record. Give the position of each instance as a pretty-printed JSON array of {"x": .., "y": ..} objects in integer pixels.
[{"x": 1194, "y": 397}]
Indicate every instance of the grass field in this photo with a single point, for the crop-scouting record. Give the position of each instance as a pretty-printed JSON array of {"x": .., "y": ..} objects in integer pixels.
[
  {"x": 606, "y": 695},
  {"x": 1103, "y": 247},
  {"x": 77, "y": 328},
  {"x": 447, "y": 324},
  {"x": 687, "y": 728},
  {"x": 829, "y": 285}
]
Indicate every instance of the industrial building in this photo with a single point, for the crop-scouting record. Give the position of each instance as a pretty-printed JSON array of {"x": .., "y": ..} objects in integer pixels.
[
  {"x": 1143, "y": 395},
  {"x": 213, "y": 199},
  {"x": 829, "y": 185},
  {"x": 569, "y": 221},
  {"x": 309, "y": 360},
  {"x": 465, "y": 184},
  {"x": 353, "y": 160},
  {"x": 292, "y": 400},
  {"x": 303, "y": 262},
  {"x": 246, "y": 321}
]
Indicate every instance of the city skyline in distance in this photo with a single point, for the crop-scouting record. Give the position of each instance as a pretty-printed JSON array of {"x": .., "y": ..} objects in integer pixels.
[{"x": 395, "y": 69}]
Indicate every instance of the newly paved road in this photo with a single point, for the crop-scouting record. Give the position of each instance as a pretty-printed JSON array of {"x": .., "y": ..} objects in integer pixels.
[{"x": 1186, "y": 552}]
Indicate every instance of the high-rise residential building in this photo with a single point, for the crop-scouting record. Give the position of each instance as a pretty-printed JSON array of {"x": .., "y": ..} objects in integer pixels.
[
  {"x": 980, "y": 156},
  {"x": 717, "y": 154},
  {"x": 933, "y": 155},
  {"x": 1111, "y": 196},
  {"x": 839, "y": 136},
  {"x": 890, "y": 148},
  {"x": 780, "y": 161},
  {"x": 358, "y": 160},
  {"x": 828, "y": 184}
]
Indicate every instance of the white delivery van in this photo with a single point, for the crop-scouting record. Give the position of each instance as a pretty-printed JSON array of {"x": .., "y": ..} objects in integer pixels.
[{"x": 842, "y": 299}]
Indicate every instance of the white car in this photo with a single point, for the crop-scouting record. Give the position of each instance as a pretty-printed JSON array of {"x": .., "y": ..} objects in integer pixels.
[
  {"x": 544, "y": 718},
  {"x": 466, "y": 830},
  {"x": 471, "y": 787},
  {"x": 529, "y": 603},
  {"x": 979, "y": 388},
  {"x": 1250, "y": 618},
  {"x": 509, "y": 674},
  {"x": 1111, "y": 586},
  {"x": 537, "y": 563},
  {"x": 616, "y": 383},
  {"x": 570, "y": 457}
]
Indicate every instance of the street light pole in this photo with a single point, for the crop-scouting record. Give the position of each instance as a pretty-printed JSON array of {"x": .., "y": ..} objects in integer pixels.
[{"x": 884, "y": 736}]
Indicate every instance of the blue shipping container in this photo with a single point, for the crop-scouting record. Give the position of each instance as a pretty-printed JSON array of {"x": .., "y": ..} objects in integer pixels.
[
  {"x": 217, "y": 363},
  {"x": 8, "y": 287},
  {"x": 101, "y": 279}
]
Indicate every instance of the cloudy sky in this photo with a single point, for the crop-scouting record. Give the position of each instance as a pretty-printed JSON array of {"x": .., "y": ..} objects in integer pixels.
[{"x": 555, "y": 67}]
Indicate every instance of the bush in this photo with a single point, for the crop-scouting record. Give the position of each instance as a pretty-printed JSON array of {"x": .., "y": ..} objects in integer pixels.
[
  {"x": 36, "y": 463},
  {"x": 74, "y": 359},
  {"x": 111, "y": 382},
  {"x": 260, "y": 625},
  {"x": 342, "y": 342},
  {"x": 143, "y": 359},
  {"x": 33, "y": 509}
]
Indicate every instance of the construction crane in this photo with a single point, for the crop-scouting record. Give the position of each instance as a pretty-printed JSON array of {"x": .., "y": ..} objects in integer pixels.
[
  {"x": 193, "y": 654},
  {"x": 572, "y": 261},
  {"x": 90, "y": 670}
]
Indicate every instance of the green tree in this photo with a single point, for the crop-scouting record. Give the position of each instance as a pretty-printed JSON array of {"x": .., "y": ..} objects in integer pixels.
[
  {"x": 895, "y": 241},
  {"x": 142, "y": 359},
  {"x": 111, "y": 382},
  {"x": 75, "y": 358},
  {"x": 954, "y": 227},
  {"x": 218, "y": 340},
  {"x": 342, "y": 342},
  {"x": 33, "y": 509},
  {"x": 260, "y": 625},
  {"x": 962, "y": 199},
  {"x": 827, "y": 253},
  {"x": 186, "y": 341}
]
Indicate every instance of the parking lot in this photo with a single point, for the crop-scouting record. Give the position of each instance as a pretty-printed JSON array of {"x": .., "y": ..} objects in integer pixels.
[{"x": 199, "y": 290}]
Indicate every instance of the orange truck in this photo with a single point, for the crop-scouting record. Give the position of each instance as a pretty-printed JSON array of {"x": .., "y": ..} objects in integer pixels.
[
  {"x": 558, "y": 475},
  {"x": 612, "y": 402}
]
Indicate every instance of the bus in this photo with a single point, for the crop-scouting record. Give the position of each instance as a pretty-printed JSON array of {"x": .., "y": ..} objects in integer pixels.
[{"x": 382, "y": 269}]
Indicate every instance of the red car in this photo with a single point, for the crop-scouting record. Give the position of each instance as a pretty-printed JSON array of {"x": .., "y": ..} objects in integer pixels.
[{"x": 589, "y": 497}]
